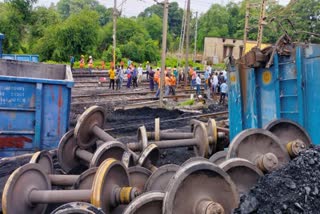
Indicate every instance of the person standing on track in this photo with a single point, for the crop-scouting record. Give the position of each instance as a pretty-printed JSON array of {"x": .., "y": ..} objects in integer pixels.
[
  {"x": 151, "y": 79},
  {"x": 134, "y": 77},
  {"x": 112, "y": 77},
  {"x": 156, "y": 78},
  {"x": 175, "y": 74},
  {"x": 223, "y": 92},
  {"x": 82, "y": 61},
  {"x": 173, "y": 83},
  {"x": 71, "y": 62},
  {"x": 140, "y": 73},
  {"x": 129, "y": 77},
  {"x": 90, "y": 64},
  {"x": 198, "y": 84},
  {"x": 148, "y": 69}
]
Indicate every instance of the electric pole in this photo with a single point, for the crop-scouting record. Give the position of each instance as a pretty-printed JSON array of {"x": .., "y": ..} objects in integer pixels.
[
  {"x": 195, "y": 39},
  {"x": 164, "y": 48},
  {"x": 115, "y": 15},
  {"x": 187, "y": 45},
  {"x": 261, "y": 22},
  {"x": 246, "y": 27}
]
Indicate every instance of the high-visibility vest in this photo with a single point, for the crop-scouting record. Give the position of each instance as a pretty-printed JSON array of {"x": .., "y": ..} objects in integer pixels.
[
  {"x": 90, "y": 64},
  {"x": 167, "y": 81},
  {"x": 173, "y": 81},
  {"x": 82, "y": 63},
  {"x": 156, "y": 77}
]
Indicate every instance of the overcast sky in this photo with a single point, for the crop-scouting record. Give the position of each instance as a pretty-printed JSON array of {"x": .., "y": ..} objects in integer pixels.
[{"x": 134, "y": 7}]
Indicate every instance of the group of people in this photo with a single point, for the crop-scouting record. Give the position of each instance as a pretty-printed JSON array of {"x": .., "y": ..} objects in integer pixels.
[{"x": 216, "y": 82}]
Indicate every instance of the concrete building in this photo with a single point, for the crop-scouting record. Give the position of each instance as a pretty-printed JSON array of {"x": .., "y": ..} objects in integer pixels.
[{"x": 216, "y": 49}]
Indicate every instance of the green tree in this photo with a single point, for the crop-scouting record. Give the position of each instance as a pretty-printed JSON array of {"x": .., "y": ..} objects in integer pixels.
[
  {"x": 69, "y": 7},
  {"x": 23, "y": 7},
  {"x": 40, "y": 20},
  {"x": 175, "y": 15},
  {"x": 107, "y": 55},
  {"x": 213, "y": 23},
  {"x": 153, "y": 25},
  {"x": 11, "y": 24}
]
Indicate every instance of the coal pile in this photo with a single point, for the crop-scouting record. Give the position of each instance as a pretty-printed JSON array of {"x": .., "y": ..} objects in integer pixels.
[{"x": 292, "y": 189}]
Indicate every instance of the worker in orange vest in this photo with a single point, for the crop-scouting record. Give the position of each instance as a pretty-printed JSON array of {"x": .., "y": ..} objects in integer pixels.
[
  {"x": 157, "y": 82},
  {"x": 167, "y": 84},
  {"x": 173, "y": 83},
  {"x": 82, "y": 61},
  {"x": 157, "y": 78},
  {"x": 90, "y": 64}
]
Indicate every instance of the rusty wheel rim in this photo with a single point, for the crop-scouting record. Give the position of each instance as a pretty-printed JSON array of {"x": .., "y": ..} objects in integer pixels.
[
  {"x": 150, "y": 153},
  {"x": 288, "y": 131},
  {"x": 19, "y": 186},
  {"x": 93, "y": 116},
  {"x": 251, "y": 143},
  {"x": 77, "y": 208},
  {"x": 202, "y": 147},
  {"x": 159, "y": 180},
  {"x": 242, "y": 172},
  {"x": 44, "y": 159},
  {"x": 199, "y": 180},
  {"x": 143, "y": 137},
  {"x": 213, "y": 133},
  {"x": 128, "y": 159},
  {"x": 138, "y": 177},
  {"x": 112, "y": 149},
  {"x": 147, "y": 203},
  {"x": 85, "y": 180},
  {"x": 67, "y": 153},
  {"x": 218, "y": 157}
]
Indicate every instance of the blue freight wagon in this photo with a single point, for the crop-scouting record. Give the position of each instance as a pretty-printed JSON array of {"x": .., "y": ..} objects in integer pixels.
[
  {"x": 21, "y": 57},
  {"x": 289, "y": 89},
  {"x": 34, "y": 106}
]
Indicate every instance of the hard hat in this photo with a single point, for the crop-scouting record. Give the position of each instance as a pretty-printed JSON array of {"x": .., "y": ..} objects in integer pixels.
[
  {"x": 90, "y": 57},
  {"x": 82, "y": 56},
  {"x": 147, "y": 61}
]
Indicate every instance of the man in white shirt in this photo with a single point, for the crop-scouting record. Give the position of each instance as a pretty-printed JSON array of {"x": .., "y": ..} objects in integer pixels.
[
  {"x": 140, "y": 73},
  {"x": 198, "y": 84},
  {"x": 223, "y": 92},
  {"x": 215, "y": 83},
  {"x": 224, "y": 74}
]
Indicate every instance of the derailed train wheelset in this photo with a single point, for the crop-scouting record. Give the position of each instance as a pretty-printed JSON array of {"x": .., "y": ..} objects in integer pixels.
[{"x": 115, "y": 179}]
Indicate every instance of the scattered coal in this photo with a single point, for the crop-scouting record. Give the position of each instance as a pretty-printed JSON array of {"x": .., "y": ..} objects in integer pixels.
[
  {"x": 126, "y": 122},
  {"x": 215, "y": 108},
  {"x": 292, "y": 189}
]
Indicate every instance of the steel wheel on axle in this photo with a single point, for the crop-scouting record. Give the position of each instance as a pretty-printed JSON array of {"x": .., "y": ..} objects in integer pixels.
[
  {"x": 93, "y": 116},
  {"x": 147, "y": 203},
  {"x": 44, "y": 159},
  {"x": 112, "y": 149},
  {"x": 252, "y": 143},
  {"x": 200, "y": 185},
  {"x": 242, "y": 172},
  {"x": 138, "y": 177},
  {"x": 218, "y": 157},
  {"x": 77, "y": 208},
  {"x": 159, "y": 180},
  {"x": 15, "y": 196}
]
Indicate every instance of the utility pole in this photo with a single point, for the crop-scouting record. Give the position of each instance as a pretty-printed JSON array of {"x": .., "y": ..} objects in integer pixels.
[
  {"x": 164, "y": 48},
  {"x": 115, "y": 15},
  {"x": 246, "y": 27},
  {"x": 195, "y": 39},
  {"x": 187, "y": 45},
  {"x": 261, "y": 22}
]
